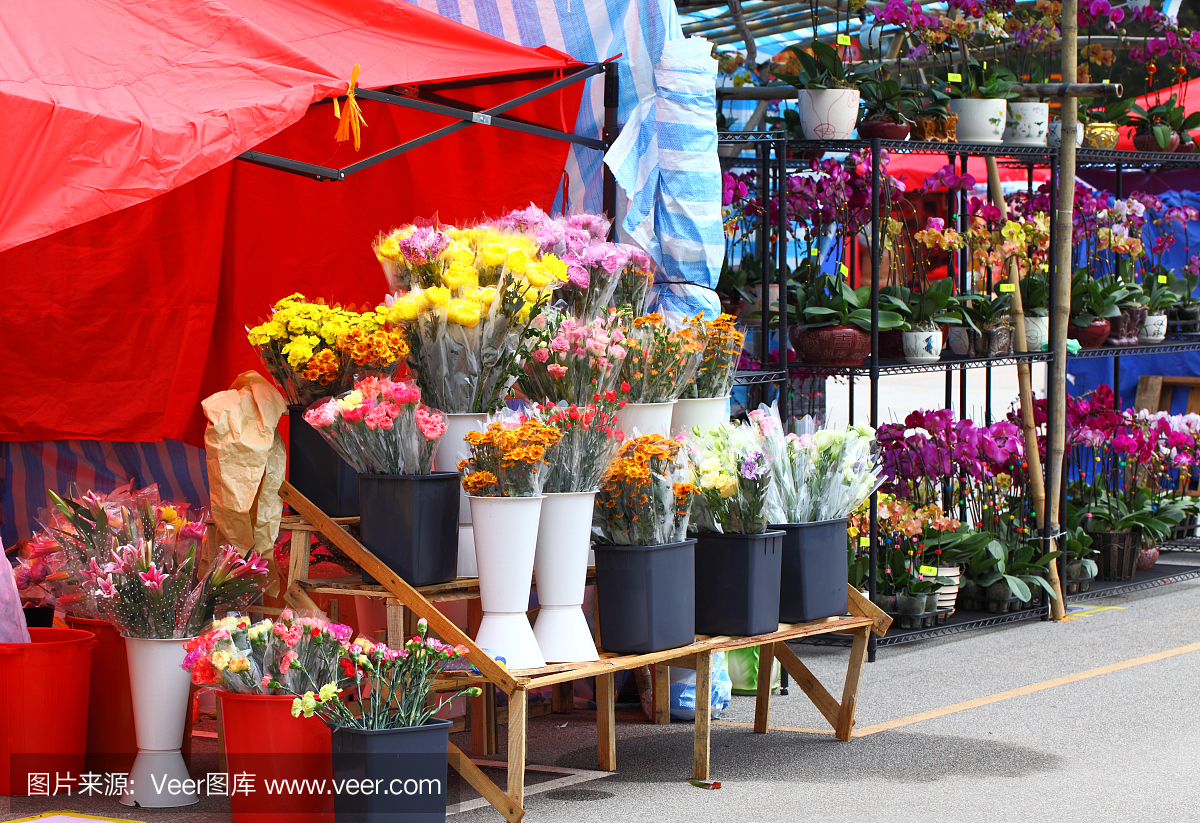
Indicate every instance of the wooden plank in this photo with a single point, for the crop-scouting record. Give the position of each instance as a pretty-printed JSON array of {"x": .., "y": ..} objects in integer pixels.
[
  {"x": 518, "y": 702},
  {"x": 482, "y": 783},
  {"x": 606, "y": 722},
  {"x": 1148, "y": 391},
  {"x": 401, "y": 590},
  {"x": 858, "y": 655},
  {"x": 808, "y": 683},
  {"x": 701, "y": 742},
  {"x": 1193, "y": 402},
  {"x": 762, "y": 696},
  {"x": 483, "y": 708},
  {"x": 562, "y": 697},
  {"x": 860, "y": 606},
  {"x": 298, "y": 598},
  {"x": 395, "y": 624},
  {"x": 661, "y": 673}
]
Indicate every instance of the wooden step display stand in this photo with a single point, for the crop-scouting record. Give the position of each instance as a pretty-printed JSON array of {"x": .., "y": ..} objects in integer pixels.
[{"x": 406, "y": 604}]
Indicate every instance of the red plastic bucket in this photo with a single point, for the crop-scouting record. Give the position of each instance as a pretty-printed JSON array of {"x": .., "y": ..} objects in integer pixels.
[
  {"x": 43, "y": 726},
  {"x": 263, "y": 740},
  {"x": 111, "y": 744}
]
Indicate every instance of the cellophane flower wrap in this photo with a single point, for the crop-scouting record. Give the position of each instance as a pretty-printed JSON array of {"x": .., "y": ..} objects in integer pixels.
[
  {"x": 471, "y": 296},
  {"x": 381, "y": 427},
  {"x": 731, "y": 469},
  {"x": 571, "y": 360},
  {"x": 141, "y": 571},
  {"x": 314, "y": 350},
  {"x": 589, "y": 438},
  {"x": 645, "y": 496},
  {"x": 509, "y": 458},
  {"x": 660, "y": 360},
  {"x": 820, "y": 474},
  {"x": 375, "y": 687},
  {"x": 236, "y": 655},
  {"x": 722, "y": 350}
]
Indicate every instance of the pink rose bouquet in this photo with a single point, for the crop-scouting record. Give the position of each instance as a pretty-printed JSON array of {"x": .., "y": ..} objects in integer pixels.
[{"x": 572, "y": 361}]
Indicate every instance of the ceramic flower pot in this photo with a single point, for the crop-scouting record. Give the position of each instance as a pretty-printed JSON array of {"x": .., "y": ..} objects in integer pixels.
[
  {"x": 1148, "y": 142},
  {"x": 450, "y": 449},
  {"x": 1090, "y": 336},
  {"x": 1027, "y": 124},
  {"x": 923, "y": 346},
  {"x": 980, "y": 120},
  {"x": 832, "y": 345},
  {"x": 936, "y": 129},
  {"x": 948, "y": 594},
  {"x": 1101, "y": 135},
  {"x": 828, "y": 114},
  {"x": 1037, "y": 332},
  {"x": 883, "y": 129},
  {"x": 1124, "y": 331},
  {"x": 159, "y": 685},
  {"x": 646, "y": 418},
  {"x": 1054, "y": 134},
  {"x": 560, "y": 563},
  {"x": 506, "y": 534},
  {"x": 998, "y": 341},
  {"x": 1147, "y": 557},
  {"x": 963, "y": 341},
  {"x": 1154, "y": 330},
  {"x": 705, "y": 412}
]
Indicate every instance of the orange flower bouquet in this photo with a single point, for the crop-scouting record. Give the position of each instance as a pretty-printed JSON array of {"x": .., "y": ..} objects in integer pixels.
[
  {"x": 659, "y": 361},
  {"x": 644, "y": 497},
  {"x": 506, "y": 459}
]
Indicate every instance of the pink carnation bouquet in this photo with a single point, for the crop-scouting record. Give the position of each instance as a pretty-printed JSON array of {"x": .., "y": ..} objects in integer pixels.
[
  {"x": 572, "y": 361},
  {"x": 381, "y": 427}
]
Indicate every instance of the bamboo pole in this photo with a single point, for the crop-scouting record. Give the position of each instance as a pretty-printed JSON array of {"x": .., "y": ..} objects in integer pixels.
[{"x": 1033, "y": 459}]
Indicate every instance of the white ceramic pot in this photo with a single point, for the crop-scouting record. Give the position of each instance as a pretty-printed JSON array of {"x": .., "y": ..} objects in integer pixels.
[
  {"x": 959, "y": 340},
  {"x": 1037, "y": 332},
  {"x": 1154, "y": 330},
  {"x": 828, "y": 114},
  {"x": 647, "y": 418},
  {"x": 564, "y": 538},
  {"x": 1054, "y": 134},
  {"x": 705, "y": 412},
  {"x": 160, "y": 708},
  {"x": 1027, "y": 124},
  {"x": 506, "y": 534},
  {"x": 980, "y": 120},
  {"x": 946, "y": 595},
  {"x": 451, "y": 448},
  {"x": 922, "y": 346}
]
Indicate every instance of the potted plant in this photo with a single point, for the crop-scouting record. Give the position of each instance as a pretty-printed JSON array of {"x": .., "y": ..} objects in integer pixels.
[
  {"x": 827, "y": 96},
  {"x": 887, "y": 109},
  {"x": 1035, "y": 306},
  {"x": 981, "y": 102},
  {"x": 409, "y": 513},
  {"x": 1161, "y": 128},
  {"x": 588, "y": 438},
  {"x": 384, "y": 732},
  {"x": 1101, "y": 129},
  {"x": 820, "y": 477},
  {"x": 1120, "y": 519},
  {"x": 1184, "y": 313},
  {"x": 1028, "y": 119},
  {"x": 1081, "y": 568},
  {"x": 659, "y": 363},
  {"x": 503, "y": 479},
  {"x": 705, "y": 401},
  {"x": 732, "y": 288},
  {"x": 934, "y": 122},
  {"x": 1132, "y": 305},
  {"x": 737, "y": 557},
  {"x": 988, "y": 328},
  {"x": 925, "y": 313},
  {"x": 1158, "y": 300},
  {"x": 645, "y": 562},
  {"x": 837, "y": 323},
  {"x": 1054, "y": 135},
  {"x": 1093, "y": 306}
]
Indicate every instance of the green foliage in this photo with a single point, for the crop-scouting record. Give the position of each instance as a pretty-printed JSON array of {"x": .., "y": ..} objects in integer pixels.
[
  {"x": 886, "y": 100},
  {"x": 831, "y": 302},
  {"x": 823, "y": 69},
  {"x": 923, "y": 310}
]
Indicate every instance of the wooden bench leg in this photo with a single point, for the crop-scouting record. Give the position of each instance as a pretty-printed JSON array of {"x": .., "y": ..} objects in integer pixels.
[
  {"x": 483, "y": 708},
  {"x": 562, "y": 697},
  {"x": 762, "y": 698},
  {"x": 606, "y": 722},
  {"x": 700, "y": 755},
  {"x": 518, "y": 703},
  {"x": 661, "y": 674},
  {"x": 858, "y": 653},
  {"x": 484, "y": 785}
]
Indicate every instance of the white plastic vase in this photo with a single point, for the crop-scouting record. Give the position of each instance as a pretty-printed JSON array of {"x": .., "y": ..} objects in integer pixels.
[
  {"x": 1154, "y": 330},
  {"x": 1027, "y": 124},
  {"x": 647, "y": 418},
  {"x": 980, "y": 120},
  {"x": 160, "y": 708},
  {"x": 1037, "y": 332},
  {"x": 1054, "y": 134},
  {"x": 564, "y": 538},
  {"x": 506, "y": 533},
  {"x": 922, "y": 346},
  {"x": 450, "y": 449},
  {"x": 828, "y": 114},
  {"x": 705, "y": 412}
]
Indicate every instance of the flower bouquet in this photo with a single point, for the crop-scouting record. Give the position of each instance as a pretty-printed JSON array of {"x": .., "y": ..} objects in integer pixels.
[
  {"x": 660, "y": 361},
  {"x": 735, "y": 479},
  {"x": 472, "y": 295},
  {"x": 571, "y": 360},
  {"x": 314, "y": 350},
  {"x": 645, "y": 497},
  {"x": 722, "y": 349},
  {"x": 380, "y": 427},
  {"x": 588, "y": 440},
  {"x": 507, "y": 459}
]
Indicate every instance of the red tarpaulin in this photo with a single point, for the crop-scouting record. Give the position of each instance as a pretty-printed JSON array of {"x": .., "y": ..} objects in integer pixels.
[{"x": 137, "y": 249}]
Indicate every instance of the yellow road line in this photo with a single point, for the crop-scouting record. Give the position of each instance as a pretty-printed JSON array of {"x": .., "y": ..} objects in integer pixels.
[{"x": 989, "y": 699}]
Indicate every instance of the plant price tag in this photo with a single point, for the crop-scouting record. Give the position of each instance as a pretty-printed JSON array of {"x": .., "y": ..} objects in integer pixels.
[
  {"x": 1005, "y": 288},
  {"x": 931, "y": 570},
  {"x": 864, "y": 542},
  {"x": 814, "y": 252},
  {"x": 843, "y": 39},
  {"x": 843, "y": 269},
  {"x": 954, "y": 77},
  {"x": 1162, "y": 278}
]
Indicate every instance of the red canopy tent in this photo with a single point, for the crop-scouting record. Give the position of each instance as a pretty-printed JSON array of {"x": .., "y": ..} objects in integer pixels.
[{"x": 135, "y": 248}]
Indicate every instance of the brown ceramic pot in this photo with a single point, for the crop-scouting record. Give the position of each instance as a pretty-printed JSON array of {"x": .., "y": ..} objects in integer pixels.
[
  {"x": 832, "y": 345},
  {"x": 1092, "y": 336},
  {"x": 883, "y": 129}
]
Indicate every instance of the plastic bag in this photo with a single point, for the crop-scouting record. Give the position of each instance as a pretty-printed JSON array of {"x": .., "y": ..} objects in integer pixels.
[
  {"x": 743, "y": 670},
  {"x": 12, "y": 619},
  {"x": 683, "y": 690}
]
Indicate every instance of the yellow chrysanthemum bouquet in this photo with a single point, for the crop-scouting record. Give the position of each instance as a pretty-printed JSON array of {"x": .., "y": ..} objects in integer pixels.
[
  {"x": 315, "y": 350},
  {"x": 465, "y": 303}
]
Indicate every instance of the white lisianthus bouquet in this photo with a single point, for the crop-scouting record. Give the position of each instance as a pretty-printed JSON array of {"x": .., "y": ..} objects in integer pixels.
[{"x": 734, "y": 475}]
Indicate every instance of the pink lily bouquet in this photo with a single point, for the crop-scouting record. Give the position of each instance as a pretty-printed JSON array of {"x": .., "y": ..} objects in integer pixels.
[
  {"x": 380, "y": 427},
  {"x": 141, "y": 570},
  {"x": 571, "y": 361}
]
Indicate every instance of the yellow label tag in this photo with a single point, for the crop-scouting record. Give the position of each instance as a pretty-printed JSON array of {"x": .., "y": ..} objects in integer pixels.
[
  {"x": 1004, "y": 288},
  {"x": 864, "y": 542},
  {"x": 928, "y": 570},
  {"x": 985, "y": 65},
  {"x": 843, "y": 269},
  {"x": 1105, "y": 81},
  {"x": 954, "y": 77},
  {"x": 1162, "y": 278},
  {"x": 843, "y": 40},
  {"x": 813, "y": 252}
]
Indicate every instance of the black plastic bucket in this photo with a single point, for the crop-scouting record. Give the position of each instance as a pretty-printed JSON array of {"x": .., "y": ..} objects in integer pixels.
[
  {"x": 314, "y": 468},
  {"x": 812, "y": 580},
  {"x": 737, "y": 583},
  {"x": 392, "y": 775},
  {"x": 410, "y": 522},
  {"x": 646, "y": 596}
]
